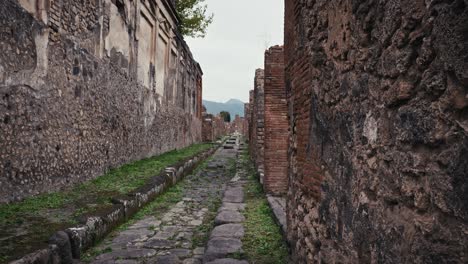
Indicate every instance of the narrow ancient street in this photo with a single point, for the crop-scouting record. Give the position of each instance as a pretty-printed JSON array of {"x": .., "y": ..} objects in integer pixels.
[
  {"x": 233, "y": 132},
  {"x": 212, "y": 197}
]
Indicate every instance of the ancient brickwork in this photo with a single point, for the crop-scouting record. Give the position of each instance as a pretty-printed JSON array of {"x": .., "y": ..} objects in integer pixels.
[
  {"x": 90, "y": 85},
  {"x": 378, "y": 106},
  {"x": 276, "y": 123},
  {"x": 258, "y": 127}
]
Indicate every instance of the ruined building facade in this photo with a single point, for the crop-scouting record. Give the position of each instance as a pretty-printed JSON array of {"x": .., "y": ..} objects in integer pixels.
[
  {"x": 213, "y": 127},
  {"x": 268, "y": 124},
  {"x": 89, "y": 85},
  {"x": 378, "y": 151}
]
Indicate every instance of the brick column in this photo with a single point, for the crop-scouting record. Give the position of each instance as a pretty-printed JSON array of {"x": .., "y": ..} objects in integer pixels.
[{"x": 276, "y": 123}]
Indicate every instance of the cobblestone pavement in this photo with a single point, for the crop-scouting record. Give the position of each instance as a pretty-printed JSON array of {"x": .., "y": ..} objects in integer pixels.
[
  {"x": 226, "y": 238},
  {"x": 169, "y": 238}
]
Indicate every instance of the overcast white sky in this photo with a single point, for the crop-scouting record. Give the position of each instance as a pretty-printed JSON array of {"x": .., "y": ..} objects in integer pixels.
[{"x": 235, "y": 44}]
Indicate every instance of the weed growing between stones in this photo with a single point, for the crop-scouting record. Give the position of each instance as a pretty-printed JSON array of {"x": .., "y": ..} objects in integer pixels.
[
  {"x": 262, "y": 243},
  {"x": 26, "y": 226},
  {"x": 202, "y": 233}
]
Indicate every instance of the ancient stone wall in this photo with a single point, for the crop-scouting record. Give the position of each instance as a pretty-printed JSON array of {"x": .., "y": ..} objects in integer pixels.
[
  {"x": 219, "y": 127},
  {"x": 245, "y": 131},
  {"x": 378, "y": 106},
  {"x": 258, "y": 124},
  {"x": 251, "y": 123},
  {"x": 86, "y": 86},
  {"x": 237, "y": 125},
  {"x": 276, "y": 123},
  {"x": 213, "y": 127},
  {"x": 207, "y": 128}
]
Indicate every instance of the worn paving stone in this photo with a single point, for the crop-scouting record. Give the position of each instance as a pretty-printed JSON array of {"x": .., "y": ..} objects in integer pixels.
[
  {"x": 113, "y": 261},
  {"x": 192, "y": 261},
  {"x": 232, "y": 207},
  {"x": 229, "y": 217},
  {"x": 234, "y": 195},
  {"x": 228, "y": 230},
  {"x": 159, "y": 244},
  {"x": 147, "y": 223},
  {"x": 168, "y": 259},
  {"x": 182, "y": 253},
  {"x": 228, "y": 261},
  {"x": 128, "y": 254},
  {"x": 199, "y": 251},
  {"x": 220, "y": 247}
]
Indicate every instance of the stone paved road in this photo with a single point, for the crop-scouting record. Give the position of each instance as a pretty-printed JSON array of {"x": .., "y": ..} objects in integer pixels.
[
  {"x": 226, "y": 238},
  {"x": 169, "y": 239}
]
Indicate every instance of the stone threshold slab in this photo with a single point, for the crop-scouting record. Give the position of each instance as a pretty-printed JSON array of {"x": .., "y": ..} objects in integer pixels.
[{"x": 278, "y": 206}]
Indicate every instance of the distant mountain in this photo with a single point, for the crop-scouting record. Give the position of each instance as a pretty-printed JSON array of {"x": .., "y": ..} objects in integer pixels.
[{"x": 233, "y": 106}]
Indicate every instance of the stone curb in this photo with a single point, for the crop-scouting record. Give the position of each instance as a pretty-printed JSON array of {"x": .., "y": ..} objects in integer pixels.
[
  {"x": 279, "y": 213},
  {"x": 82, "y": 237}
]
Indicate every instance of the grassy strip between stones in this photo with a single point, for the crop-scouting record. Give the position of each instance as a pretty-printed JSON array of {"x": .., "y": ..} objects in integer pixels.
[
  {"x": 26, "y": 226},
  {"x": 262, "y": 243}
]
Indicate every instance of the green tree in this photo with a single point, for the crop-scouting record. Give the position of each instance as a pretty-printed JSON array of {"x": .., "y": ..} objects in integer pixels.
[
  {"x": 194, "y": 20},
  {"x": 226, "y": 116}
]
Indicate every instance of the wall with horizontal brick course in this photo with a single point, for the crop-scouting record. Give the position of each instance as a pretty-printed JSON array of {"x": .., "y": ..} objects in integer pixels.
[{"x": 276, "y": 123}]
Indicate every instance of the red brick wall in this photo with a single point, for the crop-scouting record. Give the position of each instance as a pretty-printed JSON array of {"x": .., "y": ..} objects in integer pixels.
[{"x": 276, "y": 123}]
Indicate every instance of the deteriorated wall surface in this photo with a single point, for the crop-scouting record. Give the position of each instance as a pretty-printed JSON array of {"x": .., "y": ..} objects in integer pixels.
[
  {"x": 276, "y": 124},
  {"x": 258, "y": 121},
  {"x": 246, "y": 124},
  {"x": 207, "y": 128},
  {"x": 90, "y": 85},
  {"x": 237, "y": 125},
  {"x": 378, "y": 99},
  {"x": 251, "y": 123},
  {"x": 213, "y": 127}
]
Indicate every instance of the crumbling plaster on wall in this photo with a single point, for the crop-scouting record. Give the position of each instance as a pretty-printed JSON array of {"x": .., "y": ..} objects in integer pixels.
[{"x": 70, "y": 109}]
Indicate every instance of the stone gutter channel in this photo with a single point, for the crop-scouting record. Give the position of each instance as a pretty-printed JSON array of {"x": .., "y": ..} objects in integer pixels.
[
  {"x": 226, "y": 238},
  {"x": 66, "y": 246}
]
